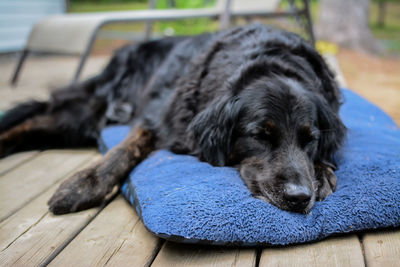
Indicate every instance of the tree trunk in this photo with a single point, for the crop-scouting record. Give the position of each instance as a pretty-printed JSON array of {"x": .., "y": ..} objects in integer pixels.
[
  {"x": 172, "y": 4},
  {"x": 381, "y": 13},
  {"x": 345, "y": 22}
]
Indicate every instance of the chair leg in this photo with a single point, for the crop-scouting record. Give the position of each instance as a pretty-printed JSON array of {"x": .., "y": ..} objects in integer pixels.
[
  {"x": 309, "y": 25},
  {"x": 303, "y": 18},
  {"x": 18, "y": 67},
  {"x": 295, "y": 9},
  {"x": 148, "y": 31},
  {"x": 225, "y": 16},
  {"x": 85, "y": 55},
  {"x": 149, "y": 24},
  {"x": 82, "y": 61}
]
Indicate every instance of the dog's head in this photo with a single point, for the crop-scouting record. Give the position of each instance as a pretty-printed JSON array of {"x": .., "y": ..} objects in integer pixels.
[{"x": 274, "y": 131}]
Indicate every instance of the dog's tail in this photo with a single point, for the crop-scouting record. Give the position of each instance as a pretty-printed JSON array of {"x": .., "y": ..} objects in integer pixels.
[{"x": 21, "y": 112}]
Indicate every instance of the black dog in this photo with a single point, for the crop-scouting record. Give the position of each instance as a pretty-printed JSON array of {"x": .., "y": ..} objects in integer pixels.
[{"x": 258, "y": 99}]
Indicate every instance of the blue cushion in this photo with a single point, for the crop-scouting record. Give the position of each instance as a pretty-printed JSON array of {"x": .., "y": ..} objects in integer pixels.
[{"x": 182, "y": 199}]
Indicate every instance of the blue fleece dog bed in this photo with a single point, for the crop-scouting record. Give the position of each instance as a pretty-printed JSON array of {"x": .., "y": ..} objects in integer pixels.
[{"x": 182, "y": 199}]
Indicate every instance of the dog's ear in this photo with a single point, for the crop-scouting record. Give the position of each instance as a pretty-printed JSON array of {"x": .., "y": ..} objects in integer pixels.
[
  {"x": 332, "y": 130},
  {"x": 211, "y": 131},
  {"x": 329, "y": 85}
]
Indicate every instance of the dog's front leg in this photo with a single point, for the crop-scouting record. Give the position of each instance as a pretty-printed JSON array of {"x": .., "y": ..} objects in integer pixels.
[{"x": 89, "y": 188}]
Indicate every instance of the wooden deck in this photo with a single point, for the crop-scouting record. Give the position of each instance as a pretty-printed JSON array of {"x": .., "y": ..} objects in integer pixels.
[{"x": 31, "y": 236}]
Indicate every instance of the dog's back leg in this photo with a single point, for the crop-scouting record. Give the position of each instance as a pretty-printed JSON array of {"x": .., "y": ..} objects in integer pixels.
[
  {"x": 26, "y": 135},
  {"x": 69, "y": 119},
  {"x": 90, "y": 187},
  {"x": 20, "y": 113},
  {"x": 45, "y": 132},
  {"x": 61, "y": 129}
]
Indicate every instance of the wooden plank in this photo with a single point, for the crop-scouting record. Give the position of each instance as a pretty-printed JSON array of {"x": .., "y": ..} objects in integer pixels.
[
  {"x": 116, "y": 237},
  {"x": 31, "y": 235},
  {"x": 382, "y": 248},
  {"x": 174, "y": 254},
  {"x": 21, "y": 221},
  {"x": 335, "y": 251},
  {"x": 22, "y": 184},
  {"x": 10, "y": 162}
]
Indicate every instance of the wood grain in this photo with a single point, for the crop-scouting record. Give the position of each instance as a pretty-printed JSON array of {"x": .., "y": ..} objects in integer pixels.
[
  {"x": 10, "y": 162},
  {"x": 33, "y": 247},
  {"x": 174, "y": 254},
  {"x": 21, "y": 221},
  {"x": 335, "y": 251},
  {"x": 21, "y": 185},
  {"x": 32, "y": 234},
  {"x": 116, "y": 237},
  {"x": 382, "y": 248}
]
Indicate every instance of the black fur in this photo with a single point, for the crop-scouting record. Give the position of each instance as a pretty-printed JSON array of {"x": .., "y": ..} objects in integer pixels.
[
  {"x": 256, "y": 98},
  {"x": 20, "y": 112}
]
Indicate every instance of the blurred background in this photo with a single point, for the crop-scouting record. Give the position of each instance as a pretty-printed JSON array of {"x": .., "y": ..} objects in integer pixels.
[{"x": 363, "y": 35}]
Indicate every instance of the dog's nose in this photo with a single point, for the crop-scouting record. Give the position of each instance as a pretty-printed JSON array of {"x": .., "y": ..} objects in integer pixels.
[{"x": 298, "y": 196}]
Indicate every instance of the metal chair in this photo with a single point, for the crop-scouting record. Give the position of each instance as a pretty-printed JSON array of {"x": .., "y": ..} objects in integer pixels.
[{"x": 76, "y": 33}]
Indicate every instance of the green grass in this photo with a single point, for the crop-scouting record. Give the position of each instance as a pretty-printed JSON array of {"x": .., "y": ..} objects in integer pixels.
[
  {"x": 187, "y": 26},
  {"x": 181, "y": 27},
  {"x": 104, "y": 5},
  {"x": 162, "y": 4}
]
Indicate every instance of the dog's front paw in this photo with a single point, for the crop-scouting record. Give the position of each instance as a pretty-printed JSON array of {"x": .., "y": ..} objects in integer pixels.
[
  {"x": 326, "y": 181},
  {"x": 82, "y": 191}
]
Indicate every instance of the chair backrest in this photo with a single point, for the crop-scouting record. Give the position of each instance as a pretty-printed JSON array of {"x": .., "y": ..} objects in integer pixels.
[
  {"x": 229, "y": 7},
  {"x": 249, "y": 5}
]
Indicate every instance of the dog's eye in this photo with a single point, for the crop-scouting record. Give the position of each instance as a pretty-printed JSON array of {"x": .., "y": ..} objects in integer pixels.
[
  {"x": 307, "y": 137},
  {"x": 266, "y": 139},
  {"x": 261, "y": 136},
  {"x": 307, "y": 140},
  {"x": 266, "y": 135}
]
